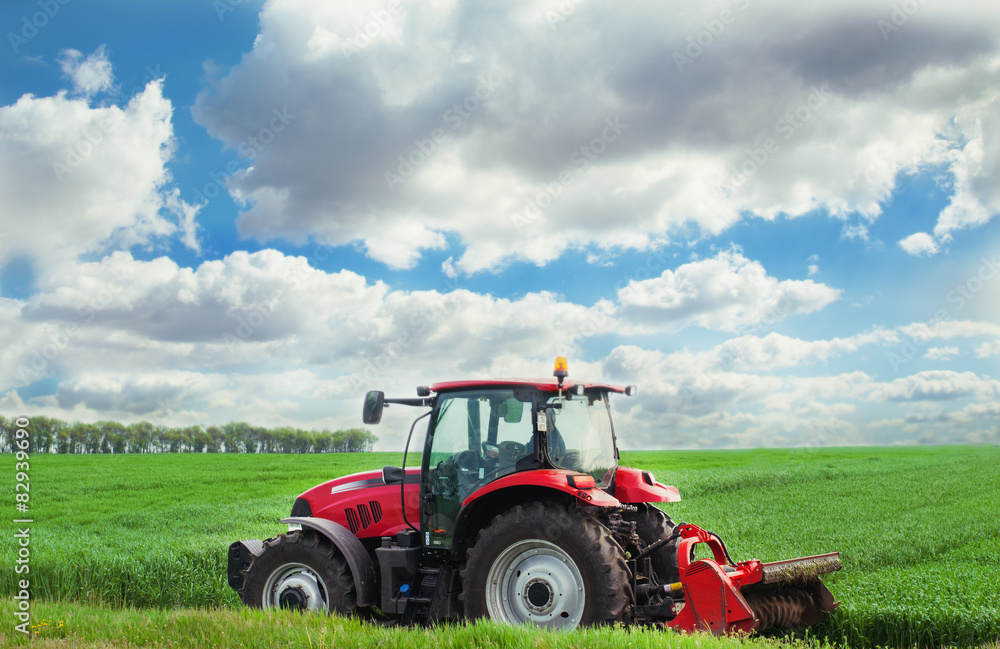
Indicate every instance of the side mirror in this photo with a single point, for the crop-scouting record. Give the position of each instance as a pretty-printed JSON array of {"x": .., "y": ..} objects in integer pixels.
[
  {"x": 374, "y": 403},
  {"x": 392, "y": 474},
  {"x": 491, "y": 451},
  {"x": 512, "y": 410}
]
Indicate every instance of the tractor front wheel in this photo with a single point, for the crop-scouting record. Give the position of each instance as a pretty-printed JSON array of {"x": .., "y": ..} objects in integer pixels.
[
  {"x": 543, "y": 565},
  {"x": 301, "y": 571},
  {"x": 651, "y": 524}
]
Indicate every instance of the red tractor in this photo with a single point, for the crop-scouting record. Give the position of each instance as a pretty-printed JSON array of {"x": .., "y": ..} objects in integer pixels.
[{"x": 519, "y": 513}]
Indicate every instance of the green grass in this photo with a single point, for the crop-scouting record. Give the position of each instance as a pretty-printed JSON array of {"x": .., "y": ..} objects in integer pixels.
[
  {"x": 918, "y": 530},
  {"x": 64, "y": 624},
  {"x": 152, "y": 530}
]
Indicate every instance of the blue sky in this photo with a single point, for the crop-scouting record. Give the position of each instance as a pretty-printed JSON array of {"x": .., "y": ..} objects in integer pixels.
[{"x": 776, "y": 220}]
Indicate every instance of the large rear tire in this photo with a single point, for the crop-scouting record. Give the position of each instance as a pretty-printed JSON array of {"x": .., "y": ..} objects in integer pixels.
[
  {"x": 301, "y": 571},
  {"x": 544, "y": 565}
]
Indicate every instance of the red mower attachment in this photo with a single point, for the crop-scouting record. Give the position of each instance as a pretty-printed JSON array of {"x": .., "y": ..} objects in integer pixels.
[{"x": 724, "y": 597}]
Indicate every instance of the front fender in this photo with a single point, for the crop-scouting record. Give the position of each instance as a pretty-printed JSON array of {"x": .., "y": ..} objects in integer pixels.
[
  {"x": 360, "y": 562},
  {"x": 638, "y": 486}
]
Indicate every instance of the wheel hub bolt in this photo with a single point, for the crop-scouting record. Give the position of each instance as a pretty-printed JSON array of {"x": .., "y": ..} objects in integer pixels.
[
  {"x": 292, "y": 598},
  {"x": 538, "y": 595}
]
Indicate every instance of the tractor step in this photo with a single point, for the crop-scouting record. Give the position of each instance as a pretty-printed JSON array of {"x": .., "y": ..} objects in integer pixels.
[{"x": 423, "y": 595}]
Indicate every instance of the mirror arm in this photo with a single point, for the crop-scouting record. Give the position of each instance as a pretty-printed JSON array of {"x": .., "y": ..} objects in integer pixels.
[{"x": 429, "y": 401}]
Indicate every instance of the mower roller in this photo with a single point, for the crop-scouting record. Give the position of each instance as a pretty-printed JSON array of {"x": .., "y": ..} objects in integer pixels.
[{"x": 519, "y": 513}]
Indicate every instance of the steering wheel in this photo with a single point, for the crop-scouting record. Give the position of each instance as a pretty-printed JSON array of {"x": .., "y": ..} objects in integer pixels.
[
  {"x": 511, "y": 452},
  {"x": 467, "y": 461}
]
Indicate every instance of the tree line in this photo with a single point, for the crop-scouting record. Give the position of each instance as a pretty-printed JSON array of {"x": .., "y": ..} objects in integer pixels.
[{"x": 49, "y": 435}]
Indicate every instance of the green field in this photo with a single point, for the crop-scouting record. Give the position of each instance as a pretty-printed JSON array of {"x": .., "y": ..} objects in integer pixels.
[{"x": 918, "y": 530}]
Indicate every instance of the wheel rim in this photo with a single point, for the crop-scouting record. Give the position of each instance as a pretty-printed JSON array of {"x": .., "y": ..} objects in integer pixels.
[
  {"x": 536, "y": 582},
  {"x": 295, "y": 586}
]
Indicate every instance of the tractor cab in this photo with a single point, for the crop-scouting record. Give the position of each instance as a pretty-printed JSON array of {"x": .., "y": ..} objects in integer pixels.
[
  {"x": 479, "y": 433},
  {"x": 483, "y": 431}
]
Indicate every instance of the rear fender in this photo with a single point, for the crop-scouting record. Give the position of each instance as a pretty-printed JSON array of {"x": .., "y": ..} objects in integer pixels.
[
  {"x": 557, "y": 479},
  {"x": 479, "y": 509},
  {"x": 360, "y": 562},
  {"x": 638, "y": 486}
]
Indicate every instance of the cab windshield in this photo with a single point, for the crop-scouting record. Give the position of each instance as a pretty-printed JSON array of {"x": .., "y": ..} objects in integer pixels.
[{"x": 580, "y": 436}]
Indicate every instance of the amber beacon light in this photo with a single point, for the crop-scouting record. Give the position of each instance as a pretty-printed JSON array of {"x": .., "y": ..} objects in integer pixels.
[{"x": 562, "y": 369}]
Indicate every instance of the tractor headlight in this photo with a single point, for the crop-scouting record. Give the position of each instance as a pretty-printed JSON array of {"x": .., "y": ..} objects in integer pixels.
[{"x": 301, "y": 508}]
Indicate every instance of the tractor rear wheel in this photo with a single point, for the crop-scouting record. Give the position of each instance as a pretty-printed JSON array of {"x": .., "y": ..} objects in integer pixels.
[
  {"x": 301, "y": 571},
  {"x": 543, "y": 565},
  {"x": 651, "y": 524}
]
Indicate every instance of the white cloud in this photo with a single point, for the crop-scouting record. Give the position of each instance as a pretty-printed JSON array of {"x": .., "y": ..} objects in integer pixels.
[
  {"x": 136, "y": 394},
  {"x": 775, "y": 350},
  {"x": 920, "y": 243},
  {"x": 82, "y": 178},
  {"x": 972, "y": 424},
  {"x": 525, "y": 145},
  {"x": 265, "y": 337},
  {"x": 948, "y": 329},
  {"x": 719, "y": 399},
  {"x": 673, "y": 384},
  {"x": 976, "y": 164},
  {"x": 267, "y": 307},
  {"x": 692, "y": 400},
  {"x": 399, "y": 247},
  {"x": 941, "y": 353},
  {"x": 937, "y": 385},
  {"x": 114, "y": 331},
  {"x": 986, "y": 350},
  {"x": 186, "y": 215},
  {"x": 132, "y": 339},
  {"x": 90, "y": 75},
  {"x": 728, "y": 292}
]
